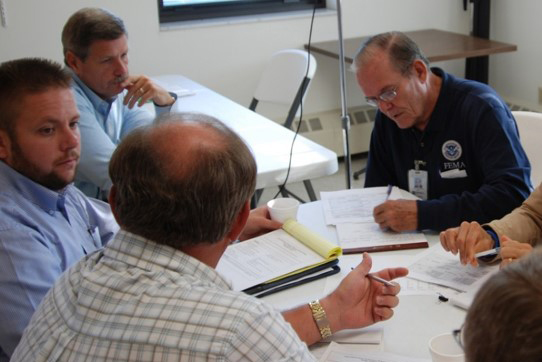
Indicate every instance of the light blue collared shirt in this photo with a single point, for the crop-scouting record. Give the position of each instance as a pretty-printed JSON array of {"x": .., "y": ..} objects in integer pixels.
[
  {"x": 42, "y": 233},
  {"x": 103, "y": 124}
]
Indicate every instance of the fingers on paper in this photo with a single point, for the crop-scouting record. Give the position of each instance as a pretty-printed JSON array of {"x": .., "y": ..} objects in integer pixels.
[
  {"x": 448, "y": 239},
  {"x": 465, "y": 240}
]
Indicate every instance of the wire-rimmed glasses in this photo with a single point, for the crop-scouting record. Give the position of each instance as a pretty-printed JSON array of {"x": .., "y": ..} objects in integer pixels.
[
  {"x": 386, "y": 96},
  {"x": 458, "y": 336}
]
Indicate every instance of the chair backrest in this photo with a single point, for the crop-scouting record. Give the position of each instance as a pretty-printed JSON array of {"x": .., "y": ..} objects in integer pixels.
[
  {"x": 285, "y": 81},
  {"x": 530, "y": 133}
]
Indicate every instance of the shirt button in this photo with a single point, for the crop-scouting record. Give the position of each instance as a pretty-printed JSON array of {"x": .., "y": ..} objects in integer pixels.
[
  {"x": 51, "y": 212},
  {"x": 421, "y": 144}
]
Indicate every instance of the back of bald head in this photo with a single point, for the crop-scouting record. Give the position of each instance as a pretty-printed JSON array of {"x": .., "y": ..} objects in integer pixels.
[{"x": 183, "y": 181}]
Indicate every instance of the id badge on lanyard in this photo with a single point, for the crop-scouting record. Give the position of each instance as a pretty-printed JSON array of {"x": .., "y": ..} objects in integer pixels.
[{"x": 417, "y": 180}]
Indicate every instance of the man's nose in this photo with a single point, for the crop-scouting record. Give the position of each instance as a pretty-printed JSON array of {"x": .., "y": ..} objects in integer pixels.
[
  {"x": 121, "y": 68},
  {"x": 384, "y": 105},
  {"x": 70, "y": 139}
]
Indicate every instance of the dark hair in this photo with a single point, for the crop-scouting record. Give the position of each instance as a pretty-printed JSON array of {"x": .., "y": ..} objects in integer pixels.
[
  {"x": 504, "y": 322},
  {"x": 177, "y": 191},
  {"x": 21, "y": 77},
  {"x": 88, "y": 25},
  {"x": 402, "y": 51}
]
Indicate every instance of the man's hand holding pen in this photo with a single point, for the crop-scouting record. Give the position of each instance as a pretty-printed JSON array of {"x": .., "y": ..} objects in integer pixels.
[
  {"x": 397, "y": 215},
  {"x": 361, "y": 299}
]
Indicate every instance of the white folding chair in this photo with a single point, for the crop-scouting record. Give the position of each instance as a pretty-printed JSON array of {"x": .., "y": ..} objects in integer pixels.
[
  {"x": 530, "y": 132},
  {"x": 285, "y": 82}
]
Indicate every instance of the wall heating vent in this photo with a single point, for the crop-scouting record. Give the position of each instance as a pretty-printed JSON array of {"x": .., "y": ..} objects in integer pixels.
[
  {"x": 518, "y": 107},
  {"x": 325, "y": 128}
]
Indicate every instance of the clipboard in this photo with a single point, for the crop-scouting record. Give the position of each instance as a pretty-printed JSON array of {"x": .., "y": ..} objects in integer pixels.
[
  {"x": 290, "y": 251},
  {"x": 318, "y": 272}
]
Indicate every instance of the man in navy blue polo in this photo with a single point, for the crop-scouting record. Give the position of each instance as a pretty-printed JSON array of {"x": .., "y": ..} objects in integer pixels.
[{"x": 452, "y": 142}]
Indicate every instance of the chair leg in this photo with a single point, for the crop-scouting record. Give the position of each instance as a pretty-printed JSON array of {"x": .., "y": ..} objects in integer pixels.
[
  {"x": 284, "y": 192},
  {"x": 358, "y": 173},
  {"x": 255, "y": 198},
  {"x": 287, "y": 193},
  {"x": 310, "y": 190}
]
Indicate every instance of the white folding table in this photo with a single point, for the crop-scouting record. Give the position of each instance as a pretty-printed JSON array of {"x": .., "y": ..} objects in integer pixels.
[
  {"x": 415, "y": 320},
  {"x": 269, "y": 141}
]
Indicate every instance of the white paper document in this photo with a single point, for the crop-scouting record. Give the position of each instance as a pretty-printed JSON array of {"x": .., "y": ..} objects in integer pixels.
[
  {"x": 344, "y": 353},
  {"x": 355, "y": 205},
  {"x": 367, "y": 335},
  {"x": 441, "y": 267},
  {"x": 181, "y": 92},
  {"x": 462, "y": 300},
  {"x": 266, "y": 257},
  {"x": 381, "y": 261},
  {"x": 355, "y": 235}
]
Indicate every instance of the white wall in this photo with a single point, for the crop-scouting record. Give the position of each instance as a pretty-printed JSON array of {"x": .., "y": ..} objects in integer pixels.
[
  {"x": 229, "y": 58},
  {"x": 518, "y": 75}
]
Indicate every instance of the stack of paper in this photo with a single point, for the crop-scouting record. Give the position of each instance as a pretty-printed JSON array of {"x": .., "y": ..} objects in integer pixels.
[
  {"x": 443, "y": 268},
  {"x": 344, "y": 353},
  {"x": 278, "y": 260},
  {"x": 351, "y": 211}
]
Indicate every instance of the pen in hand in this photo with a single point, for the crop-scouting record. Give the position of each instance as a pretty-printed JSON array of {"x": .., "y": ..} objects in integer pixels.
[
  {"x": 488, "y": 253},
  {"x": 388, "y": 193},
  {"x": 379, "y": 279}
]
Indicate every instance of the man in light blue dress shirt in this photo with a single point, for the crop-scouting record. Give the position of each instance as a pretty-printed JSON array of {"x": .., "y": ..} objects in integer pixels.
[
  {"x": 109, "y": 99},
  {"x": 46, "y": 223}
]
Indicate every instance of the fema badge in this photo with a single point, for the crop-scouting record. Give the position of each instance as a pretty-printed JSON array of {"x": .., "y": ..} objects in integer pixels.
[{"x": 451, "y": 150}]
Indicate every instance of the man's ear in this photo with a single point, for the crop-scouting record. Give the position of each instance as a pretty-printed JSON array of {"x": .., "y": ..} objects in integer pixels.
[
  {"x": 420, "y": 69},
  {"x": 111, "y": 198},
  {"x": 239, "y": 222},
  {"x": 73, "y": 61},
  {"x": 5, "y": 147}
]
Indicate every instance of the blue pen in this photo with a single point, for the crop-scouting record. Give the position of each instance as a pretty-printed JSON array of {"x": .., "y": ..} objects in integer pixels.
[
  {"x": 490, "y": 252},
  {"x": 388, "y": 193}
]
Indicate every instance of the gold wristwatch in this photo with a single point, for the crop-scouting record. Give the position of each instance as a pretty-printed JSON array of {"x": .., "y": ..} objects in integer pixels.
[{"x": 320, "y": 317}]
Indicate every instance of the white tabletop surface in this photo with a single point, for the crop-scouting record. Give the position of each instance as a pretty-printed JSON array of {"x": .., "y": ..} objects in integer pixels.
[
  {"x": 269, "y": 141},
  {"x": 416, "y": 319}
]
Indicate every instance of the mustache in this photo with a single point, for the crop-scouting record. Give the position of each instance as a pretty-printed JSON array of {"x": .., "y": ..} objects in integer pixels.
[
  {"x": 120, "y": 79},
  {"x": 69, "y": 155}
]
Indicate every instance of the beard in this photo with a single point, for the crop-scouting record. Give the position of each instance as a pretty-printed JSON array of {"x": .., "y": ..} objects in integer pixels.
[{"x": 51, "y": 180}]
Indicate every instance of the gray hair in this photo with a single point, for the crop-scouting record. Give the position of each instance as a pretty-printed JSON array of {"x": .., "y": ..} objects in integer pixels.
[
  {"x": 504, "y": 322},
  {"x": 402, "y": 51},
  {"x": 181, "y": 195},
  {"x": 88, "y": 25}
]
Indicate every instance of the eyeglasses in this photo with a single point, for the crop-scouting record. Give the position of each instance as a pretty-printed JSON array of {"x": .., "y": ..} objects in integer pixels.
[
  {"x": 458, "y": 336},
  {"x": 386, "y": 96}
]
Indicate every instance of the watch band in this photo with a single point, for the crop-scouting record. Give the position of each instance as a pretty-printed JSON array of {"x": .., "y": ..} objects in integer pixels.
[
  {"x": 173, "y": 96},
  {"x": 320, "y": 317}
]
